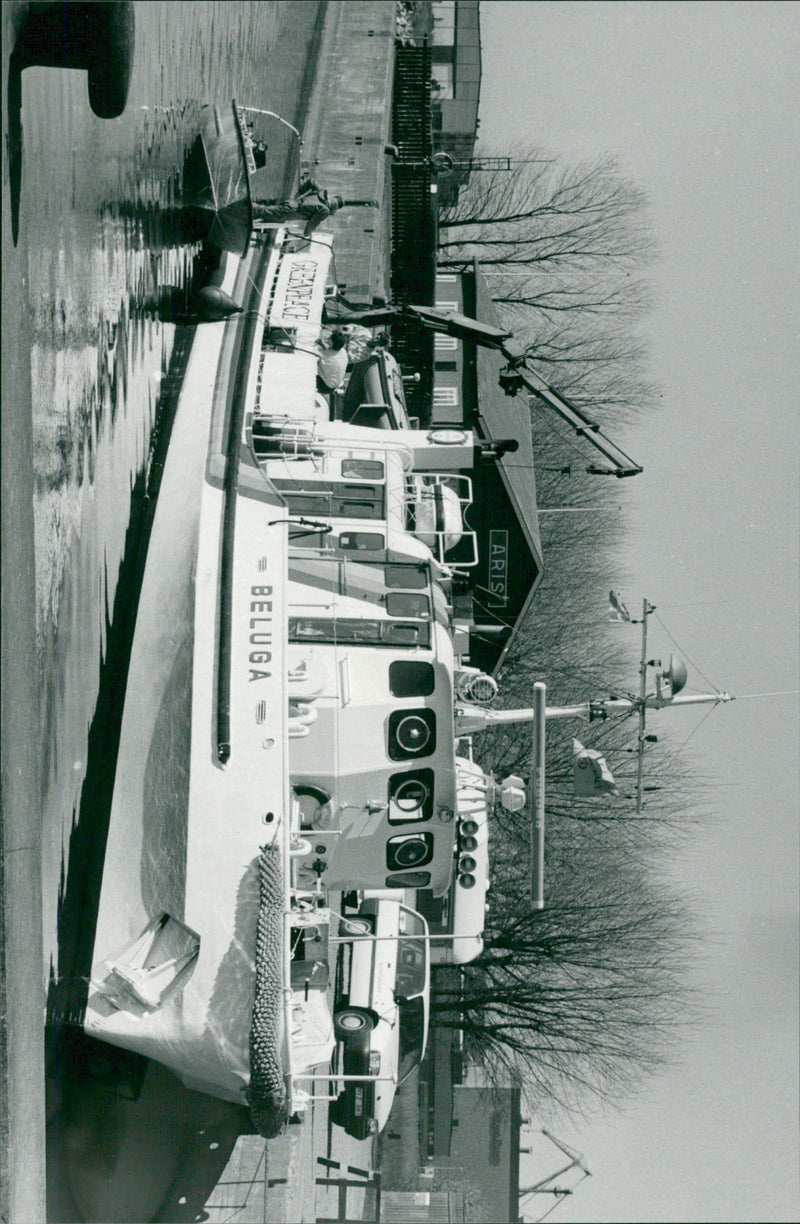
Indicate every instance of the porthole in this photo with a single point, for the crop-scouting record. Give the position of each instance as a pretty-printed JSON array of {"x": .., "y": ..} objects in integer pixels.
[
  {"x": 409, "y": 850},
  {"x": 411, "y": 796},
  {"x": 412, "y": 733}
]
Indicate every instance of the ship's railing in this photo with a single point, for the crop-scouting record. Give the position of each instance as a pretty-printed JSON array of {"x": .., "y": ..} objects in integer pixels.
[
  {"x": 295, "y": 437},
  {"x": 436, "y": 507}
]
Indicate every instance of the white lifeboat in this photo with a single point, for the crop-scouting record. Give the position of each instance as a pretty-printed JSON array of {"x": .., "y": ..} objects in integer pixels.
[{"x": 438, "y": 521}]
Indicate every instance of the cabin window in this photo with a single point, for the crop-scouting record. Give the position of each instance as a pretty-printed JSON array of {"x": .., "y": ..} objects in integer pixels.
[
  {"x": 308, "y": 503},
  {"x": 404, "y": 603},
  {"x": 332, "y": 499},
  {"x": 412, "y": 733},
  {"x": 359, "y": 509},
  {"x": 327, "y": 629},
  {"x": 411, "y": 678},
  {"x": 361, "y": 541},
  {"x": 409, "y": 850},
  {"x": 409, "y": 879},
  {"x": 364, "y": 469},
  {"x": 411, "y": 796},
  {"x": 406, "y": 577},
  {"x": 399, "y": 634},
  {"x": 306, "y": 537},
  {"x": 357, "y": 632}
]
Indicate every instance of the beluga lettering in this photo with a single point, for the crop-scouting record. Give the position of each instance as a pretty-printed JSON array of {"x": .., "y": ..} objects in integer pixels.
[{"x": 260, "y": 631}]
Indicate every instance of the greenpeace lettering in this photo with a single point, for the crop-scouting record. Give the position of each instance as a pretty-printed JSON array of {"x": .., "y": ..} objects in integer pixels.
[
  {"x": 498, "y": 568},
  {"x": 260, "y": 630},
  {"x": 294, "y": 301}
]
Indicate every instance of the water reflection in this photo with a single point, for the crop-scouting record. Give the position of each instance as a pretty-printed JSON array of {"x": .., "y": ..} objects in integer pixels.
[
  {"x": 107, "y": 283},
  {"x": 109, "y": 287}
]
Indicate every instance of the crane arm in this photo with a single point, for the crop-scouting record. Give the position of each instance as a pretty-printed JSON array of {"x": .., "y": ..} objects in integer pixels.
[{"x": 516, "y": 375}]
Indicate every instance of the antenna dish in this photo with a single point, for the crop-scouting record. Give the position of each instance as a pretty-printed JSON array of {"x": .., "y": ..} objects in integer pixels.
[{"x": 677, "y": 674}]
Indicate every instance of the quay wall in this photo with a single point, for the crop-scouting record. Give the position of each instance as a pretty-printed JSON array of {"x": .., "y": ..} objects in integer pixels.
[{"x": 346, "y": 133}]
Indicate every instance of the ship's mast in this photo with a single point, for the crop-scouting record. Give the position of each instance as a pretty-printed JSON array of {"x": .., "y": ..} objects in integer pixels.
[
  {"x": 471, "y": 719},
  {"x": 642, "y": 708}
]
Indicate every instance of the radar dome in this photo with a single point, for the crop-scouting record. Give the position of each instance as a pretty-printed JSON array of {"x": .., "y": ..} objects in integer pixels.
[{"x": 677, "y": 674}]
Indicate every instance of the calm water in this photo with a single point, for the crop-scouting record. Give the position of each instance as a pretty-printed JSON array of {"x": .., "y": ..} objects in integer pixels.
[{"x": 101, "y": 247}]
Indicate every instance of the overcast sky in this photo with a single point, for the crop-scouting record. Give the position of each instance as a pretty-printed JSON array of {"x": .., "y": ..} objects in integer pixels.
[{"x": 701, "y": 103}]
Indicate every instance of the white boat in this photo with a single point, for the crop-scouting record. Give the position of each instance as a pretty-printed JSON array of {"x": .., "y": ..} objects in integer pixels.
[
  {"x": 293, "y": 666},
  {"x": 202, "y": 781}
]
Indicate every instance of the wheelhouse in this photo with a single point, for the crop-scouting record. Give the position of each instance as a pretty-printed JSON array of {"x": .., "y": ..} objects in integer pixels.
[{"x": 370, "y": 656}]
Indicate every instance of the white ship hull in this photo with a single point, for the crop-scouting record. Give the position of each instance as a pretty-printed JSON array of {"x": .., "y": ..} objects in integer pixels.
[{"x": 202, "y": 777}]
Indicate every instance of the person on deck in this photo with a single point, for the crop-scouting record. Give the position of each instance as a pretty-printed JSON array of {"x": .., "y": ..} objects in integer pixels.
[{"x": 332, "y": 363}]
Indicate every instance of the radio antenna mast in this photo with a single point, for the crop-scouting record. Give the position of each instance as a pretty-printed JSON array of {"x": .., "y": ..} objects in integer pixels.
[{"x": 545, "y": 1186}]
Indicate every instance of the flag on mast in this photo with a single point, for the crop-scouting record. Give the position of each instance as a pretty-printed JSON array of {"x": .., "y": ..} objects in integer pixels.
[
  {"x": 590, "y": 773},
  {"x": 618, "y": 610}
]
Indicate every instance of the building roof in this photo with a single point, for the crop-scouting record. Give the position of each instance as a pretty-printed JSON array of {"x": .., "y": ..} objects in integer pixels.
[{"x": 500, "y": 416}]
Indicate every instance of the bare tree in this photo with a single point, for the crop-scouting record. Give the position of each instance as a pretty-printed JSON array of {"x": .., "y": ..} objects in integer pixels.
[
  {"x": 563, "y": 246},
  {"x": 547, "y": 212},
  {"x": 584, "y": 998},
  {"x": 580, "y": 1000}
]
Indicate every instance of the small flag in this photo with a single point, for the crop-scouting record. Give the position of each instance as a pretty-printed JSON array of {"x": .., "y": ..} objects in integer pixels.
[
  {"x": 590, "y": 773},
  {"x": 618, "y": 610}
]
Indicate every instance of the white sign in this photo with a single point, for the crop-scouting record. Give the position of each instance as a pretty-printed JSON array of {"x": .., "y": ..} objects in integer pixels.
[
  {"x": 498, "y": 568},
  {"x": 299, "y": 290}
]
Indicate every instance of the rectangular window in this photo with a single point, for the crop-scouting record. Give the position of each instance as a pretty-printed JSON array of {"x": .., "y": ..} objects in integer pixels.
[
  {"x": 352, "y": 631},
  {"x": 445, "y": 397},
  {"x": 401, "y": 633},
  {"x": 306, "y": 537},
  {"x": 333, "y": 499},
  {"x": 318, "y": 504},
  {"x": 445, "y": 344},
  {"x": 409, "y": 879},
  {"x": 406, "y": 577},
  {"x": 358, "y": 509},
  {"x": 445, "y": 367},
  {"x": 411, "y": 678},
  {"x": 361, "y": 541},
  {"x": 443, "y": 76},
  {"x": 363, "y": 469},
  {"x": 405, "y": 604}
]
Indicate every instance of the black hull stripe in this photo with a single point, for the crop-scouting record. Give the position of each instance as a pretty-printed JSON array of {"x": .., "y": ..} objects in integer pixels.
[{"x": 251, "y": 326}]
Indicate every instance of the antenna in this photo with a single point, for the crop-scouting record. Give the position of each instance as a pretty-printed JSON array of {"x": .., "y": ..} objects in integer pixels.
[
  {"x": 646, "y": 609},
  {"x": 471, "y": 719},
  {"x": 545, "y": 1186},
  {"x": 675, "y": 677}
]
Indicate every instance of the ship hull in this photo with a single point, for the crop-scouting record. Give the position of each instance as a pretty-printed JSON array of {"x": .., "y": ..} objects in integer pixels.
[{"x": 202, "y": 777}]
